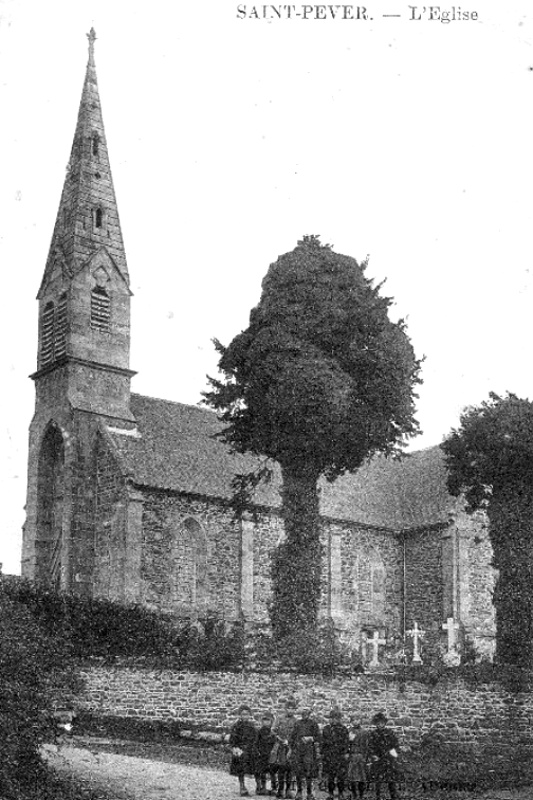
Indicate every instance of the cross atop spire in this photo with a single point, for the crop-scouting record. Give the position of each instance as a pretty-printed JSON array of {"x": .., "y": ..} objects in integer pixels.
[{"x": 91, "y": 36}]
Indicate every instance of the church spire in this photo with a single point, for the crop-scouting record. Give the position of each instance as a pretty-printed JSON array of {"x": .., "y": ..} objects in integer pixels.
[
  {"x": 84, "y": 299},
  {"x": 87, "y": 218}
]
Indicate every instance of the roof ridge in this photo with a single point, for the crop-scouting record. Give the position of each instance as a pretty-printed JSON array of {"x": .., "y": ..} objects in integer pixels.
[
  {"x": 178, "y": 453},
  {"x": 196, "y": 406}
]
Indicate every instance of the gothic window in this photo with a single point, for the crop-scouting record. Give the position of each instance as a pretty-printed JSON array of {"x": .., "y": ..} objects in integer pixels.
[
  {"x": 190, "y": 568},
  {"x": 98, "y": 217},
  {"x": 369, "y": 586},
  {"x": 100, "y": 309},
  {"x": 47, "y": 334},
  {"x": 95, "y": 144},
  {"x": 60, "y": 331}
]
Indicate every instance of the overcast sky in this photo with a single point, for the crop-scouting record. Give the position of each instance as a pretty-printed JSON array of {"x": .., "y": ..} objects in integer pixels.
[{"x": 231, "y": 137}]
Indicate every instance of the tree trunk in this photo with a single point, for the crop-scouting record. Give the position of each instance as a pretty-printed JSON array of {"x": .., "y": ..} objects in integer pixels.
[{"x": 296, "y": 564}]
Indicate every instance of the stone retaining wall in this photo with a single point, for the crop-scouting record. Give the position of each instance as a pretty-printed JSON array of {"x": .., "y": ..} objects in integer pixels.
[{"x": 487, "y": 726}]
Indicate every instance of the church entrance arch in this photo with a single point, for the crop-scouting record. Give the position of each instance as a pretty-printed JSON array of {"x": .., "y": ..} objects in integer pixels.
[{"x": 50, "y": 565}]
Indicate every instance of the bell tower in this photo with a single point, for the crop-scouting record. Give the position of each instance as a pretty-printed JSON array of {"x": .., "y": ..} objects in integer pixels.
[{"x": 83, "y": 376}]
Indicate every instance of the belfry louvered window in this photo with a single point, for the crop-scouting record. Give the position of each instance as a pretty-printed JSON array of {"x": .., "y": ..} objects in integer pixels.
[
  {"x": 60, "y": 332},
  {"x": 47, "y": 334},
  {"x": 100, "y": 309}
]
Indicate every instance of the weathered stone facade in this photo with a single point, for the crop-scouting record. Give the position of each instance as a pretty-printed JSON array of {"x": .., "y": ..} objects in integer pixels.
[
  {"x": 110, "y": 504},
  {"x": 476, "y": 582},
  {"x": 190, "y": 560},
  {"x": 129, "y": 496},
  {"x": 425, "y": 587}
]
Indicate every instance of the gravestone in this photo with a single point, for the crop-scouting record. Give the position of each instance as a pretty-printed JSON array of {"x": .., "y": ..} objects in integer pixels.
[
  {"x": 416, "y": 634},
  {"x": 374, "y": 642},
  {"x": 452, "y": 657}
]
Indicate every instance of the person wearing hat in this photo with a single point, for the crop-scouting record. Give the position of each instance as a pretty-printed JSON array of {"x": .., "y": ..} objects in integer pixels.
[
  {"x": 305, "y": 747},
  {"x": 241, "y": 740},
  {"x": 335, "y": 751},
  {"x": 263, "y": 746},
  {"x": 383, "y": 748},
  {"x": 280, "y": 758}
]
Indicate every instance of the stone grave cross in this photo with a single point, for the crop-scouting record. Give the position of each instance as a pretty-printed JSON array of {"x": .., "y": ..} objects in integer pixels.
[
  {"x": 451, "y": 627},
  {"x": 451, "y": 657},
  {"x": 416, "y": 633},
  {"x": 375, "y": 643}
]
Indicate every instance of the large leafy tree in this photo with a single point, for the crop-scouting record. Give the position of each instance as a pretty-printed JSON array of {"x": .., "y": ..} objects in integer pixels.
[
  {"x": 319, "y": 381},
  {"x": 490, "y": 460}
]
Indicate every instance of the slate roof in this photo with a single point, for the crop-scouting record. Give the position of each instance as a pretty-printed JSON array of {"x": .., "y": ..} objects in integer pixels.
[{"x": 173, "y": 449}]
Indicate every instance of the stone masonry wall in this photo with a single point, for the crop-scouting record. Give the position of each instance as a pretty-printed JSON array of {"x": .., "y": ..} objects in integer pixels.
[
  {"x": 371, "y": 582},
  {"x": 268, "y": 531},
  {"x": 362, "y": 581},
  {"x": 355, "y": 560},
  {"x": 477, "y": 578},
  {"x": 486, "y": 722},
  {"x": 163, "y": 518},
  {"x": 109, "y": 526},
  {"x": 424, "y": 585}
]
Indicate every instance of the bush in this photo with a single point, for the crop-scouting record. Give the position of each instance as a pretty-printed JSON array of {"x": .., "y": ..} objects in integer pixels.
[
  {"x": 34, "y": 669},
  {"x": 214, "y": 647},
  {"x": 43, "y": 637},
  {"x": 314, "y": 652},
  {"x": 98, "y": 628}
]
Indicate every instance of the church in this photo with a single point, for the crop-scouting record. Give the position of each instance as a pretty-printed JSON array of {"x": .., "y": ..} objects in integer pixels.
[{"x": 128, "y": 496}]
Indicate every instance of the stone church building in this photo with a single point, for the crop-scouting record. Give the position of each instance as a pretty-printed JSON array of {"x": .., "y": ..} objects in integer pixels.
[{"x": 128, "y": 495}]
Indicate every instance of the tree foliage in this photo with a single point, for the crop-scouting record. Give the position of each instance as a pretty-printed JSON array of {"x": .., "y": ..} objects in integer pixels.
[
  {"x": 99, "y": 628},
  {"x": 490, "y": 460},
  {"x": 35, "y": 669},
  {"x": 321, "y": 376},
  {"x": 319, "y": 381}
]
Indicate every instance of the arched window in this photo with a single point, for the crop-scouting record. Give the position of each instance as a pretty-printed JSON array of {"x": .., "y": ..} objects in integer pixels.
[
  {"x": 47, "y": 334},
  {"x": 50, "y": 495},
  {"x": 189, "y": 559},
  {"x": 100, "y": 309},
  {"x": 98, "y": 217},
  {"x": 60, "y": 331},
  {"x": 369, "y": 586}
]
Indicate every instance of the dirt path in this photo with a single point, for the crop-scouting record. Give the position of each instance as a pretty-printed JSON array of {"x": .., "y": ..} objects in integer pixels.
[
  {"x": 141, "y": 778},
  {"x": 134, "y": 778}
]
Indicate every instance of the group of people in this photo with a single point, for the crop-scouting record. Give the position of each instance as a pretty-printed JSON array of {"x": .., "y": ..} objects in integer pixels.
[{"x": 292, "y": 749}]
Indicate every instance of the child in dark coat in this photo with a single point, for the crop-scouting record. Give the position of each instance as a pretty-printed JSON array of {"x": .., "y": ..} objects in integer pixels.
[
  {"x": 263, "y": 746},
  {"x": 357, "y": 775},
  {"x": 383, "y": 750},
  {"x": 242, "y": 740},
  {"x": 335, "y": 750},
  {"x": 281, "y": 755},
  {"x": 305, "y": 747}
]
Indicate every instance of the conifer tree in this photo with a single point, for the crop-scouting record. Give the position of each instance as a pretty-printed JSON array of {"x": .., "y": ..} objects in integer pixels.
[
  {"x": 320, "y": 381},
  {"x": 490, "y": 460}
]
